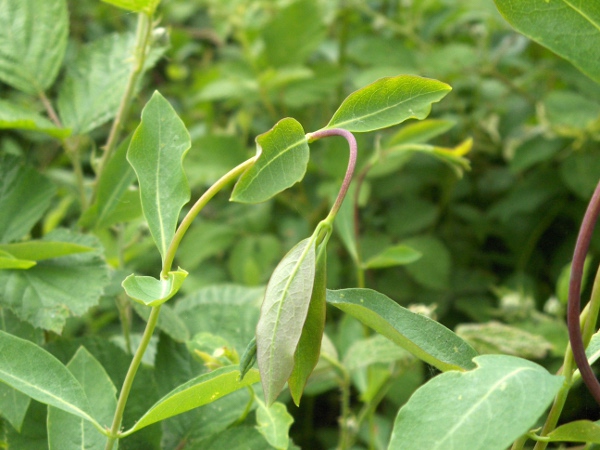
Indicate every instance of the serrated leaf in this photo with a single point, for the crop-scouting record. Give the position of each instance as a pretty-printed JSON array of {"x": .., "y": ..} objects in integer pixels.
[
  {"x": 282, "y": 316},
  {"x": 150, "y": 291},
  {"x": 457, "y": 410},
  {"x": 274, "y": 422},
  {"x": 35, "y": 372},
  {"x": 569, "y": 29},
  {"x": 13, "y": 116},
  {"x": 577, "y": 431},
  {"x": 24, "y": 197},
  {"x": 388, "y": 101},
  {"x": 68, "y": 432},
  {"x": 282, "y": 159},
  {"x": 39, "y": 250},
  {"x": 33, "y": 39},
  {"x": 396, "y": 255},
  {"x": 199, "y": 391},
  {"x": 146, "y": 6},
  {"x": 425, "y": 338},
  {"x": 156, "y": 153}
]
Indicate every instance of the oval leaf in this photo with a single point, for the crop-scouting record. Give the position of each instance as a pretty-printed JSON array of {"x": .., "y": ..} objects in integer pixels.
[
  {"x": 156, "y": 153},
  {"x": 393, "y": 256},
  {"x": 476, "y": 409},
  {"x": 282, "y": 158},
  {"x": 577, "y": 431},
  {"x": 388, "y": 101},
  {"x": 152, "y": 292},
  {"x": 282, "y": 316},
  {"x": 425, "y": 338},
  {"x": 548, "y": 23}
]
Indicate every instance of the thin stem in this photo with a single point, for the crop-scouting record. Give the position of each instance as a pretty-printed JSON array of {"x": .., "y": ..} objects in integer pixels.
[
  {"x": 201, "y": 203},
  {"x": 344, "y": 420},
  {"x": 50, "y": 109},
  {"x": 133, "y": 367},
  {"x": 71, "y": 146}
]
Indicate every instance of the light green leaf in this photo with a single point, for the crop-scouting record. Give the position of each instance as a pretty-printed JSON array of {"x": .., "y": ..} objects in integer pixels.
[
  {"x": 425, "y": 338},
  {"x": 396, "y": 255},
  {"x": 476, "y": 409},
  {"x": 376, "y": 349},
  {"x": 282, "y": 316},
  {"x": 156, "y": 153},
  {"x": 420, "y": 132},
  {"x": 432, "y": 270},
  {"x": 570, "y": 29},
  {"x": 152, "y": 292},
  {"x": 274, "y": 422},
  {"x": 39, "y": 250},
  {"x": 56, "y": 288},
  {"x": 13, "y": 116},
  {"x": 388, "y": 101},
  {"x": 33, "y": 39},
  {"x": 146, "y": 6},
  {"x": 8, "y": 261},
  {"x": 35, "y": 372},
  {"x": 199, "y": 391},
  {"x": 24, "y": 197},
  {"x": 282, "y": 158},
  {"x": 68, "y": 432},
  {"x": 577, "y": 431}
]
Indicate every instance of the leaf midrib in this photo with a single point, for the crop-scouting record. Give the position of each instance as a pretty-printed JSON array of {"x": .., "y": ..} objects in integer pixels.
[{"x": 585, "y": 16}]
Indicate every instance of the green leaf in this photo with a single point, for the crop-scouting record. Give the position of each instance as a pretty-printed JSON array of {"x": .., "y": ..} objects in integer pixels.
[
  {"x": 235, "y": 438},
  {"x": 282, "y": 159},
  {"x": 146, "y": 6},
  {"x": 206, "y": 239},
  {"x": 425, "y": 338},
  {"x": 56, "y": 288},
  {"x": 33, "y": 39},
  {"x": 252, "y": 259},
  {"x": 248, "y": 358},
  {"x": 13, "y": 116},
  {"x": 282, "y": 316},
  {"x": 39, "y": 250},
  {"x": 35, "y": 372},
  {"x": 33, "y": 433},
  {"x": 420, "y": 132},
  {"x": 24, "y": 197},
  {"x": 309, "y": 345},
  {"x": 388, "y": 101},
  {"x": 569, "y": 29},
  {"x": 476, "y": 409},
  {"x": 168, "y": 321},
  {"x": 68, "y": 432},
  {"x": 156, "y": 153},
  {"x": 199, "y": 391},
  {"x": 432, "y": 270},
  {"x": 577, "y": 431},
  {"x": 152, "y": 292},
  {"x": 8, "y": 261},
  {"x": 376, "y": 349},
  {"x": 274, "y": 422},
  {"x": 396, "y": 255}
]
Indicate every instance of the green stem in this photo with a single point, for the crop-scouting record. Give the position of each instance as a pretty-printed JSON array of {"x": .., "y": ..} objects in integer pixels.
[
  {"x": 133, "y": 367},
  {"x": 142, "y": 40},
  {"x": 201, "y": 203}
]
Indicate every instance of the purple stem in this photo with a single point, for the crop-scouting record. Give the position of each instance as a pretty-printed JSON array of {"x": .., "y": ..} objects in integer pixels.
[
  {"x": 574, "y": 308},
  {"x": 351, "y": 161}
]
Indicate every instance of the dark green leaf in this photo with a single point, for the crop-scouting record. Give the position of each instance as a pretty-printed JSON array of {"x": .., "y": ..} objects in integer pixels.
[
  {"x": 156, "y": 153},
  {"x": 248, "y": 358},
  {"x": 393, "y": 256},
  {"x": 388, "y": 101},
  {"x": 427, "y": 339},
  {"x": 33, "y": 433},
  {"x": 236, "y": 438},
  {"x": 13, "y": 116},
  {"x": 274, "y": 422},
  {"x": 152, "y": 292},
  {"x": 282, "y": 158}
]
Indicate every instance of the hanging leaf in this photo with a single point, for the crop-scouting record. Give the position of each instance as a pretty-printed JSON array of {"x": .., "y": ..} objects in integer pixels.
[
  {"x": 274, "y": 422},
  {"x": 13, "y": 116},
  {"x": 33, "y": 39},
  {"x": 156, "y": 153},
  {"x": 282, "y": 316},
  {"x": 152, "y": 292},
  {"x": 388, "y": 101},
  {"x": 425, "y": 338},
  {"x": 546, "y": 22},
  {"x": 282, "y": 159},
  {"x": 396, "y": 255},
  {"x": 457, "y": 410}
]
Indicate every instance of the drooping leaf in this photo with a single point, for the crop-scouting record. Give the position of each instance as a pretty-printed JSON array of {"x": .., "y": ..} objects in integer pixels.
[
  {"x": 282, "y": 316},
  {"x": 577, "y": 431},
  {"x": 45, "y": 295},
  {"x": 388, "y": 101},
  {"x": 282, "y": 158},
  {"x": 425, "y": 338},
  {"x": 13, "y": 116},
  {"x": 33, "y": 39},
  {"x": 146, "y": 6},
  {"x": 39, "y": 250},
  {"x": 199, "y": 391},
  {"x": 68, "y": 432},
  {"x": 156, "y": 153},
  {"x": 35, "y": 372},
  {"x": 274, "y": 422},
  {"x": 309, "y": 345},
  {"x": 152, "y": 292},
  {"x": 476, "y": 409},
  {"x": 24, "y": 197},
  {"x": 393, "y": 256},
  {"x": 569, "y": 29}
]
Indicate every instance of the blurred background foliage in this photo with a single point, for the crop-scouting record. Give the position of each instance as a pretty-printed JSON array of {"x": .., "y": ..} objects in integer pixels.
[{"x": 495, "y": 242}]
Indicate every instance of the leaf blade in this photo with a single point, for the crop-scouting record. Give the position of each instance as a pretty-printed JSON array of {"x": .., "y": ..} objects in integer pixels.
[{"x": 152, "y": 292}]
